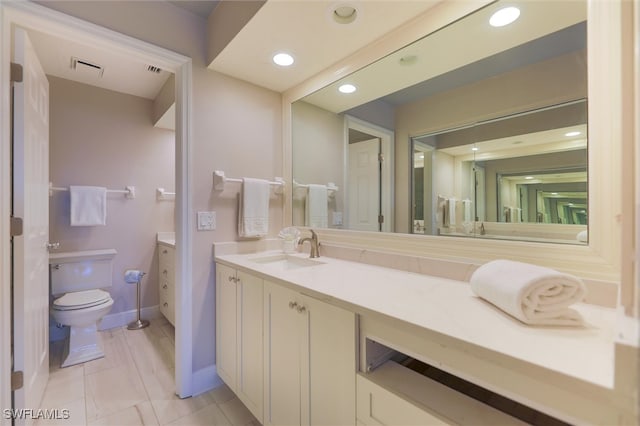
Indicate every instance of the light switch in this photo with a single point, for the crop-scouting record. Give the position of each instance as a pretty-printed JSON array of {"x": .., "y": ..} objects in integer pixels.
[{"x": 206, "y": 221}]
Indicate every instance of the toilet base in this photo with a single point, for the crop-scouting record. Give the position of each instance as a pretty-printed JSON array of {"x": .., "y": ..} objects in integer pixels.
[{"x": 83, "y": 345}]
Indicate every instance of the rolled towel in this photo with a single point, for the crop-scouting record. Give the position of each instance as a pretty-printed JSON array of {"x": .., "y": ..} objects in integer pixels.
[{"x": 533, "y": 294}]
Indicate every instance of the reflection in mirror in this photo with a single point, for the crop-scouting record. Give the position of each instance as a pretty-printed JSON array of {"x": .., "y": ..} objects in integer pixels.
[
  {"x": 518, "y": 86},
  {"x": 525, "y": 168}
]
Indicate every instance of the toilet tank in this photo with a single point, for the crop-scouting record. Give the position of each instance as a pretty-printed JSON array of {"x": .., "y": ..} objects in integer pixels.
[{"x": 80, "y": 270}]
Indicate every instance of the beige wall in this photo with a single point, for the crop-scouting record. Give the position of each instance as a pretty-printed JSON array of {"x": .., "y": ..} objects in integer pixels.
[
  {"x": 527, "y": 88},
  {"x": 237, "y": 127},
  {"x": 104, "y": 138},
  {"x": 318, "y": 153}
]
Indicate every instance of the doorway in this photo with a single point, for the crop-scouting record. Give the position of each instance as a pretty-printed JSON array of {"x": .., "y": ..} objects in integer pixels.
[
  {"x": 33, "y": 16},
  {"x": 369, "y": 171}
]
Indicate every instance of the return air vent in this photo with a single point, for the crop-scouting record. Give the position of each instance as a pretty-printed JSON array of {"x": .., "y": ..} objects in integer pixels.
[
  {"x": 86, "y": 68},
  {"x": 154, "y": 69}
]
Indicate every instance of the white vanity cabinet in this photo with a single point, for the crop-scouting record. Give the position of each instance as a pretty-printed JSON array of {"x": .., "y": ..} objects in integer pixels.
[
  {"x": 239, "y": 335},
  {"x": 166, "y": 281},
  {"x": 310, "y": 360}
]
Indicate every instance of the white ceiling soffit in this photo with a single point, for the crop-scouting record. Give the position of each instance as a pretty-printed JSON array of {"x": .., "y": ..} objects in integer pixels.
[
  {"x": 202, "y": 8},
  {"x": 455, "y": 46},
  {"x": 120, "y": 73},
  {"x": 307, "y": 30}
]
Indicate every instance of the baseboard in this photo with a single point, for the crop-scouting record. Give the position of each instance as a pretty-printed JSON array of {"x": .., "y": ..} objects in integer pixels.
[
  {"x": 205, "y": 379},
  {"x": 121, "y": 319}
]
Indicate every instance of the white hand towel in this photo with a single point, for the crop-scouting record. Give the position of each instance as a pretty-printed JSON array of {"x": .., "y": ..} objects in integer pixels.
[
  {"x": 253, "y": 209},
  {"x": 451, "y": 211},
  {"x": 88, "y": 205},
  {"x": 467, "y": 211},
  {"x": 316, "y": 208},
  {"x": 533, "y": 294}
]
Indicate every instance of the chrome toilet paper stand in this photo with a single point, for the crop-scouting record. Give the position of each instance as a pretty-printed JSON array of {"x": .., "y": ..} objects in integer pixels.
[{"x": 138, "y": 324}]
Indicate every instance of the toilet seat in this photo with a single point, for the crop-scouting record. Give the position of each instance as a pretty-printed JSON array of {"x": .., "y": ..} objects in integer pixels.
[{"x": 81, "y": 300}]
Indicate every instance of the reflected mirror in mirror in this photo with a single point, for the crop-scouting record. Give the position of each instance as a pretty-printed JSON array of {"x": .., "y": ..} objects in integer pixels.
[
  {"x": 492, "y": 178},
  {"x": 376, "y": 146}
]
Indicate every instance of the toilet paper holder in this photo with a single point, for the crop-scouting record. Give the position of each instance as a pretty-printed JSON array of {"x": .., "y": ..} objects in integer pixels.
[{"x": 132, "y": 276}]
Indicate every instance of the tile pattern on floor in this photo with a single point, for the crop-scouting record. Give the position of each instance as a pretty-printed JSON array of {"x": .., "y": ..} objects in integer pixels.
[{"x": 134, "y": 385}]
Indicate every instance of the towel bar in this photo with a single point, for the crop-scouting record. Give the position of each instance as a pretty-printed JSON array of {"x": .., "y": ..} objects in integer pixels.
[
  {"x": 332, "y": 188},
  {"x": 129, "y": 191},
  {"x": 220, "y": 180}
]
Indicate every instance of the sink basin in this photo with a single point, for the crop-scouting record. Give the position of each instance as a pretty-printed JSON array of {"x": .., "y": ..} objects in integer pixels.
[{"x": 286, "y": 262}]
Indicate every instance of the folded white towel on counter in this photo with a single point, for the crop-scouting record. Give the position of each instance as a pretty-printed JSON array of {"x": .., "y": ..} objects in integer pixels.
[
  {"x": 88, "y": 205},
  {"x": 533, "y": 294},
  {"x": 317, "y": 208},
  {"x": 253, "y": 208}
]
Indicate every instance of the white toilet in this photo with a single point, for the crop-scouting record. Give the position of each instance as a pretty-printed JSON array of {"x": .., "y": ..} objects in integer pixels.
[{"x": 76, "y": 279}]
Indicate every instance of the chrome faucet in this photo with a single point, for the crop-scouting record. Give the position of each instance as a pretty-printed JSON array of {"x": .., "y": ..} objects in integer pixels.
[{"x": 313, "y": 242}]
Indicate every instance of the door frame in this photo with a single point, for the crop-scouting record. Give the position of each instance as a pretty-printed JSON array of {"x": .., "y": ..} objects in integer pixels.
[
  {"x": 31, "y": 15},
  {"x": 387, "y": 139}
]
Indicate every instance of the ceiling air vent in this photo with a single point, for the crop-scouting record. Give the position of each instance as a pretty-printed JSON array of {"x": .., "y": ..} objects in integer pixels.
[
  {"x": 154, "y": 69},
  {"x": 86, "y": 68}
]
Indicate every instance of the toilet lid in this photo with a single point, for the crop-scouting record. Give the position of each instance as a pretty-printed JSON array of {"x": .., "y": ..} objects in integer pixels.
[{"x": 81, "y": 299}]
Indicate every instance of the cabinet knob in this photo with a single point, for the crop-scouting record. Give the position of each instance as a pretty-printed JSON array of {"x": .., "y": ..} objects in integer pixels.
[
  {"x": 164, "y": 251},
  {"x": 165, "y": 272},
  {"x": 301, "y": 309},
  {"x": 166, "y": 305},
  {"x": 231, "y": 278},
  {"x": 165, "y": 286},
  {"x": 292, "y": 305}
]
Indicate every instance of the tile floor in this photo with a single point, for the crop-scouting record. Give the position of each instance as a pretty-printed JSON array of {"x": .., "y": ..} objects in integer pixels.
[{"x": 134, "y": 385}]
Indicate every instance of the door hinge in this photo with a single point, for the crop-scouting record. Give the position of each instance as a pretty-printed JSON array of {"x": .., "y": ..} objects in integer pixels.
[
  {"x": 16, "y": 73},
  {"x": 380, "y": 218},
  {"x": 16, "y": 226},
  {"x": 17, "y": 380}
]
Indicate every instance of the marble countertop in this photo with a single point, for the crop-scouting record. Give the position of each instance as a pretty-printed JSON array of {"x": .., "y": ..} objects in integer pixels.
[{"x": 449, "y": 307}]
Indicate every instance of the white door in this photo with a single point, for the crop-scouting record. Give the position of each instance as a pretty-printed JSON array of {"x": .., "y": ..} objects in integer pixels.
[
  {"x": 31, "y": 203},
  {"x": 364, "y": 185}
]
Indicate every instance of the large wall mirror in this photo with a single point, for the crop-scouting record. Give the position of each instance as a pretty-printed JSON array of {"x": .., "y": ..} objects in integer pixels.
[{"x": 472, "y": 131}]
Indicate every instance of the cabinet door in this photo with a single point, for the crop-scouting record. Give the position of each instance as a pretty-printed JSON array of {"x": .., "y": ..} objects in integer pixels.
[
  {"x": 250, "y": 344},
  {"x": 282, "y": 356},
  {"x": 329, "y": 350},
  {"x": 226, "y": 333}
]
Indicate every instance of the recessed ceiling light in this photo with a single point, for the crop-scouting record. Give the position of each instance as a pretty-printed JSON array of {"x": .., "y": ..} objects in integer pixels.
[
  {"x": 554, "y": 193},
  {"x": 283, "y": 59},
  {"x": 347, "y": 88},
  {"x": 504, "y": 16},
  {"x": 576, "y": 133},
  {"x": 344, "y": 14},
  {"x": 475, "y": 148},
  {"x": 528, "y": 177}
]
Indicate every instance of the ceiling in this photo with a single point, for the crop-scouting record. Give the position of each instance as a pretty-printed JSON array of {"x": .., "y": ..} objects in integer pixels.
[
  {"x": 454, "y": 54},
  {"x": 307, "y": 30},
  {"x": 201, "y": 8},
  {"x": 120, "y": 73}
]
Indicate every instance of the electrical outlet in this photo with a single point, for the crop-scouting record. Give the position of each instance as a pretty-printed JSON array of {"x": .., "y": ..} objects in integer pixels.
[{"x": 206, "y": 221}]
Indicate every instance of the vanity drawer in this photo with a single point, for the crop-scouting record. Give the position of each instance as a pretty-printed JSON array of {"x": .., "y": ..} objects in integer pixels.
[
  {"x": 167, "y": 308},
  {"x": 379, "y": 406},
  {"x": 395, "y": 395}
]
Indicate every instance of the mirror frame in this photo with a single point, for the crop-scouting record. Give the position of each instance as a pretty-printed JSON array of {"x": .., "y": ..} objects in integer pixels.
[{"x": 601, "y": 259}]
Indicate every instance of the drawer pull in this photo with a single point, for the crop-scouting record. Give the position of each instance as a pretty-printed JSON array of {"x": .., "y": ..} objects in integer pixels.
[
  {"x": 165, "y": 286},
  {"x": 292, "y": 305},
  {"x": 166, "y": 305}
]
